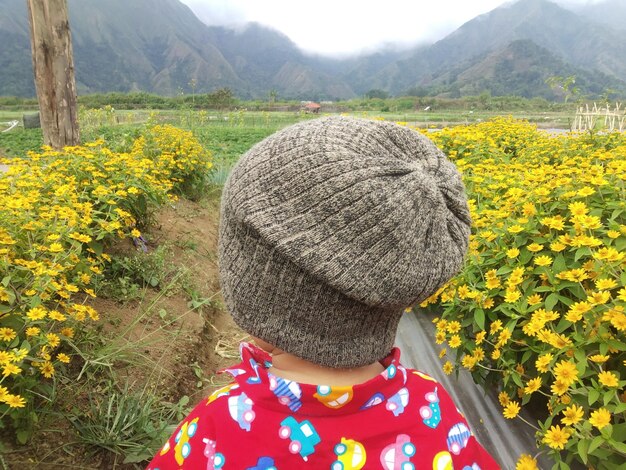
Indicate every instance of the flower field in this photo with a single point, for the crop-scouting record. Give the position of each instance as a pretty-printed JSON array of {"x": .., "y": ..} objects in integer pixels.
[
  {"x": 58, "y": 213},
  {"x": 538, "y": 311}
]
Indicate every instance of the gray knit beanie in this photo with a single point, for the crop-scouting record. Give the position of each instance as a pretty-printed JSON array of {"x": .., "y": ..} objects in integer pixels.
[{"x": 330, "y": 228}]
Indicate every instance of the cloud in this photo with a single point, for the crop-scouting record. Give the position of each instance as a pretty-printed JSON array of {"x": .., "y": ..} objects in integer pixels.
[{"x": 345, "y": 27}]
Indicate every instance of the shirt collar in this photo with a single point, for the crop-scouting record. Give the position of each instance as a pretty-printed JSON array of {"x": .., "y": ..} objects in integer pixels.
[{"x": 273, "y": 392}]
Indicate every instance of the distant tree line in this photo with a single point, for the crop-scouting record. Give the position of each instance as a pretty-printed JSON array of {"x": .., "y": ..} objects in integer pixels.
[{"x": 224, "y": 99}]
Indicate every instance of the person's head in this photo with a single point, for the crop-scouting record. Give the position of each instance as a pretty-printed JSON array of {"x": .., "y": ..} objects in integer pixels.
[{"x": 330, "y": 228}]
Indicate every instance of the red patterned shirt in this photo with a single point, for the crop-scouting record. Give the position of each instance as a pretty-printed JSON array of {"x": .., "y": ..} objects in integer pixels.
[{"x": 401, "y": 419}]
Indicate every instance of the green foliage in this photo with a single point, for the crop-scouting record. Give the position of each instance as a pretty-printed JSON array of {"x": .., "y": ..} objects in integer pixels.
[
  {"x": 129, "y": 424},
  {"x": 538, "y": 309}
]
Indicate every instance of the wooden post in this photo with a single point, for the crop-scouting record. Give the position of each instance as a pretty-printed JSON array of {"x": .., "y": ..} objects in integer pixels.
[{"x": 53, "y": 65}]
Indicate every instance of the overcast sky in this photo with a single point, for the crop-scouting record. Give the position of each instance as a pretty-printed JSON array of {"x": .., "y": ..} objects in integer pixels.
[{"x": 346, "y": 27}]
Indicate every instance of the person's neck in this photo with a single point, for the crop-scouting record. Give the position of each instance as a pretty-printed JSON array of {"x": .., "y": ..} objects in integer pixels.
[{"x": 291, "y": 367}]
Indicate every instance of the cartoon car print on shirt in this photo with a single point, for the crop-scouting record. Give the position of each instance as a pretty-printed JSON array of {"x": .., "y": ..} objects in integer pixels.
[
  {"x": 215, "y": 460},
  {"x": 303, "y": 436},
  {"x": 287, "y": 392},
  {"x": 350, "y": 455},
  {"x": 431, "y": 413},
  {"x": 474, "y": 466},
  {"x": 396, "y": 403},
  {"x": 333, "y": 397},
  {"x": 264, "y": 463},
  {"x": 397, "y": 456},
  {"x": 423, "y": 376},
  {"x": 443, "y": 461},
  {"x": 182, "y": 449},
  {"x": 458, "y": 436},
  {"x": 221, "y": 392},
  {"x": 240, "y": 409},
  {"x": 375, "y": 399},
  {"x": 257, "y": 378},
  {"x": 390, "y": 372}
]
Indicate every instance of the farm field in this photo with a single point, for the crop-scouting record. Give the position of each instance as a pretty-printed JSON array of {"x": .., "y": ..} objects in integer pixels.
[{"x": 538, "y": 312}]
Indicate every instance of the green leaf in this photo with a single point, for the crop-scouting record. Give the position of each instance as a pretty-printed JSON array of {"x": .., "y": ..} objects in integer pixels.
[
  {"x": 551, "y": 301},
  {"x": 23, "y": 435},
  {"x": 597, "y": 442},
  {"x": 616, "y": 345},
  {"x": 479, "y": 317},
  {"x": 593, "y": 396},
  {"x": 583, "y": 447},
  {"x": 584, "y": 251}
]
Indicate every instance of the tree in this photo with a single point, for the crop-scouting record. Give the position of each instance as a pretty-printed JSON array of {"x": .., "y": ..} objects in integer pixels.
[
  {"x": 377, "y": 93},
  {"x": 53, "y": 66}
]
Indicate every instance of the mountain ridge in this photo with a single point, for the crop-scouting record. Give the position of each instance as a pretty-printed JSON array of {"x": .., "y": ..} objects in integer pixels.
[{"x": 160, "y": 46}]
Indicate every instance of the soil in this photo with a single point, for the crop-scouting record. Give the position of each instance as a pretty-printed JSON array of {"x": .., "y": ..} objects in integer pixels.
[{"x": 178, "y": 345}]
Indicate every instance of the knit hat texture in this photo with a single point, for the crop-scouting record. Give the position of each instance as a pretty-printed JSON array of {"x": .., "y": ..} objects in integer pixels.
[{"x": 330, "y": 228}]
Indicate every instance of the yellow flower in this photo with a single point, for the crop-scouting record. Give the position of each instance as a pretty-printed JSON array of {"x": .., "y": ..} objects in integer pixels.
[
  {"x": 604, "y": 284},
  {"x": 453, "y": 326},
  {"x": 600, "y": 418},
  {"x": 47, "y": 369},
  {"x": 32, "y": 331},
  {"x": 572, "y": 415},
  {"x": 10, "y": 369},
  {"x": 36, "y": 313},
  {"x": 586, "y": 191},
  {"x": 64, "y": 358},
  {"x": 53, "y": 339},
  {"x": 515, "y": 229},
  {"x": 566, "y": 372},
  {"x": 543, "y": 261},
  {"x": 135, "y": 233},
  {"x": 512, "y": 253},
  {"x": 7, "y": 334},
  {"x": 55, "y": 248},
  {"x": 557, "y": 247},
  {"x": 495, "y": 354},
  {"x": 534, "y": 299},
  {"x": 511, "y": 410},
  {"x": 503, "y": 398},
  {"x": 599, "y": 358},
  {"x": 440, "y": 337},
  {"x": 14, "y": 401},
  {"x": 559, "y": 387},
  {"x": 613, "y": 233},
  {"x": 599, "y": 298},
  {"x": 608, "y": 379},
  {"x": 534, "y": 247},
  {"x": 532, "y": 386},
  {"x": 455, "y": 342},
  {"x": 448, "y": 368},
  {"x": 556, "y": 437},
  {"x": 67, "y": 332},
  {"x": 480, "y": 336},
  {"x": 512, "y": 296},
  {"x": 496, "y": 326},
  {"x": 56, "y": 315},
  {"x": 576, "y": 311},
  {"x": 526, "y": 462},
  {"x": 469, "y": 362}
]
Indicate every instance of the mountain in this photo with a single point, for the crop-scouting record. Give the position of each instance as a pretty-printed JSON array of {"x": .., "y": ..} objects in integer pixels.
[
  {"x": 582, "y": 43},
  {"x": 522, "y": 67},
  {"x": 610, "y": 12},
  {"x": 160, "y": 46}
]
